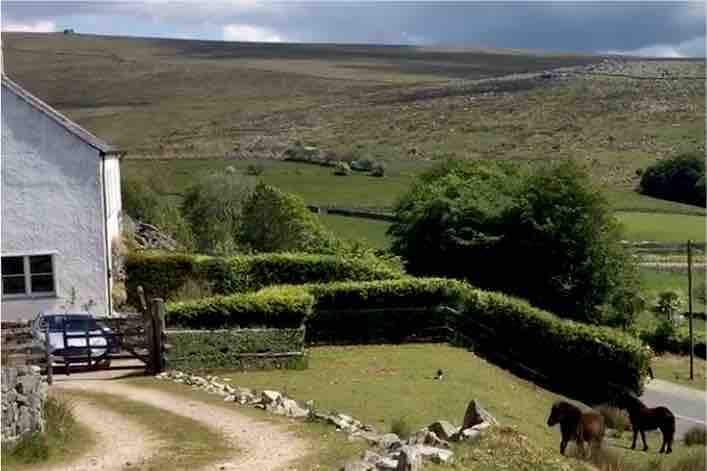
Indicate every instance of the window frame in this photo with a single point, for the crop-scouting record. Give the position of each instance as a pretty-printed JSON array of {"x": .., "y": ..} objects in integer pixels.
[{"x": 28, "y": 294}]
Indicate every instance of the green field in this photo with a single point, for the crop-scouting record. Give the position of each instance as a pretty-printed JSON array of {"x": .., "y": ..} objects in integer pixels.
[
  {"x": 663, "y": 227},
  {"x": 206, "y": 99},
  {"x": 380, "y": 384},
  {"x": 650, "y": 218},
  {"x": 368, "y": 231}
]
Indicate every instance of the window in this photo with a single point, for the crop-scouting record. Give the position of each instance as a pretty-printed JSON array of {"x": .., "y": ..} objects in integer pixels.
[{"x": 28, "y": 275}]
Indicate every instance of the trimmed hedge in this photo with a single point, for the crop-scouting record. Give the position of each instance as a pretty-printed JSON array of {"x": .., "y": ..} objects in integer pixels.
[
  {"x": 165, "y": 275},
  {"x": 588, "y": 361},
  {"x": 271, "y": 307},
  {"x": 381, "y": 311},
  {"x": 200, "y": 349}
]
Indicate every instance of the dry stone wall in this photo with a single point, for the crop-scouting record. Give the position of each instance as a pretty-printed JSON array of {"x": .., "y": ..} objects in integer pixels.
[{"x": 24, "y": 393}]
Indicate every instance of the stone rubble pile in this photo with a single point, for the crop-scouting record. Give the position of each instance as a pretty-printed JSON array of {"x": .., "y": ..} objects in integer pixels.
[
  {"x": 23, "y": 395},
  {"x": 388, "y": 451}
]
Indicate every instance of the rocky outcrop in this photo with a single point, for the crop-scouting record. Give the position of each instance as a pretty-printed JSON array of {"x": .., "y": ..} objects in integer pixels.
[
  {"x": 388, "y": 450},
  {"x": 23, "y": 395}
]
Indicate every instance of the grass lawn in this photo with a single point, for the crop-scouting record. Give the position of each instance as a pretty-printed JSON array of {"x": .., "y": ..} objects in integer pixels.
[
  {"x": 316, "y": 184},
  {"x": 63, "y": 440},
  {"x": 368, "y": 231},
  {"x": 379, "y": 384},
  {"x": 676, "y": 368},
  {"x": 185, "y": 443},
  {"x": 662, "y": 227}
]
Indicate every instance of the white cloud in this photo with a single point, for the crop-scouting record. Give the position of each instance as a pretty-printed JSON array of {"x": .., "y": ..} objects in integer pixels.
[
  {"x": 250, "y": 33},
  {"x": 692, "y": 48},
  {"x": 35, "y": 27}
]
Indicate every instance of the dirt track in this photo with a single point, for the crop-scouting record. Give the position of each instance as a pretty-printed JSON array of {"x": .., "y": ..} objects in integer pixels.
[{"x": 261, "y": 445}]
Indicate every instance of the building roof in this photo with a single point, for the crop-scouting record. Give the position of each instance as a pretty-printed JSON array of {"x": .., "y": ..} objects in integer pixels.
[{"x": 63, "y": 121}]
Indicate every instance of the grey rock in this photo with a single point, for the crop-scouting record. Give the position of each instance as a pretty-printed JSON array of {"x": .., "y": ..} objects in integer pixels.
[
  {"x": 389, "y": 441},
  {"x": 292, "y": 409},
  {"x": 371, "y": 457},
  {"x": 409, "y": 459},
  {"x": 469, "y": 434},
  {"x": 427, "y": 437},
  {"x": 387, "y": 463},
  {"x": 434, "y": 454},
  {"x": 268, "y": 397},
  {"x": 443, "y": 429},
  {"x": 475, "y": 414},
  {"x": 358, "y": 465},
  {"x": 229, "y": 398}
]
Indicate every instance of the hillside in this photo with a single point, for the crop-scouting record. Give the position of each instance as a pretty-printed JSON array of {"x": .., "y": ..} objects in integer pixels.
[{"x": 160, "y": 98}]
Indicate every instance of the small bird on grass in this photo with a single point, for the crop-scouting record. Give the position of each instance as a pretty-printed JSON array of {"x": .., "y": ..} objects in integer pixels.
[{"x": 440, "y": 375}]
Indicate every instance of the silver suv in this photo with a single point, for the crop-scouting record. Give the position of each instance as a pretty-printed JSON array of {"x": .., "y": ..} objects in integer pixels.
[{"x": 67, "y": 338}]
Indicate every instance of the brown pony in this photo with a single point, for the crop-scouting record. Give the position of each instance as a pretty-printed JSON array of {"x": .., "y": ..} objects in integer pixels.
[
  {"x": 644, "y": 418},
  {"x": 577, "y": 425}
]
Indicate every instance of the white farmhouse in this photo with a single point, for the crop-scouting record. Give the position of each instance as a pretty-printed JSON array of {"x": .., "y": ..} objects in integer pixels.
[{"x": 60, "y": 210}]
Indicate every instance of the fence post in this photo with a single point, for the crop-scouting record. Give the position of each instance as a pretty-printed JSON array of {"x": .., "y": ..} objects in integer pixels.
[
  {"x": 158, "y": 362},
  {"x": 47, "y": 348},
  {"x": 689, "y": 297},
  {"x": 141, "y": 297},
  {"x": 149, "y": 339}
]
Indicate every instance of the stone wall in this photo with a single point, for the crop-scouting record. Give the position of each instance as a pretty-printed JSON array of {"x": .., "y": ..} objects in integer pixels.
[{"x": 24, "y": 392}]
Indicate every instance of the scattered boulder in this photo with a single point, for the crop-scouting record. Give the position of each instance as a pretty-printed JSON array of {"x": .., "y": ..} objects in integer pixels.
[
  {"x": 443, "y": 429},
  {"x": 269, "y": 397},
  {"x": 389, "y": 441},
  {"x": 469, "y": 434},
  {"x": 409, "y": 459},
  {"x": 475, "y": 414},
  {"x": 427, "y": 437},
  {"x": 434, "y": 454}
]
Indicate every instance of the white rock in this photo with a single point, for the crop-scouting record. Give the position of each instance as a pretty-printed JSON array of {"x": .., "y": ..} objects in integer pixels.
[{"x": 268, "y": 396}]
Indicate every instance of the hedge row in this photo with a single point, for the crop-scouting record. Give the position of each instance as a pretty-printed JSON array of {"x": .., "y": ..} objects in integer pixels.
[
  {"x": 380, "y": 311},
  {"x": 580, "y": 358},
  {"x": 200, "y": 349},
  {"x": 175, "y": 277},
  {"x": 271, "y": 307},
  {"x": 586, "y": 360}
]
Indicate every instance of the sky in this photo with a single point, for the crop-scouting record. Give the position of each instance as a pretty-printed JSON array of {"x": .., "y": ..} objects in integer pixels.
[{"x": 646, "y": 28}]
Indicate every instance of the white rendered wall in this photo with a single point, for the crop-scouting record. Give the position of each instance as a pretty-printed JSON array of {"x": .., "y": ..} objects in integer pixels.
[{"x": 52, "y": 202}]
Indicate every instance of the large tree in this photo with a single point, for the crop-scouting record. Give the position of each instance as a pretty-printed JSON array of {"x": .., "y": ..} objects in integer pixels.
[{"x": 548, "y": 236}]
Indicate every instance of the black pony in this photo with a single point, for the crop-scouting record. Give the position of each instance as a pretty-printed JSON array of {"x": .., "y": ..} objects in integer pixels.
[{"x": 644, "y": 418}]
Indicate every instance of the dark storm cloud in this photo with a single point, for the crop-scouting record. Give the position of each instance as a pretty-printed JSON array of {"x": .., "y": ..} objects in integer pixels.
[{"x": 577, "y": 26}]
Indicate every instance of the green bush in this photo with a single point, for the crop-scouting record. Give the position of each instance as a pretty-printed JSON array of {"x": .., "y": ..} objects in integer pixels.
[
  {"x": 142, "y": 203},
  {"x": 381, "y": 311},
  {"x": 213, "y": 207},
  {"x": 402, "y": 428},
  {"x": 275, "y": 221},
  {"x": 549, "y": 237},
  {"x": 697, "y": 435},
  {"x": 378, "y": 170},
  {"x": 270, "y": 307},
  {"x": 680, "y": 178},
  {"x": 164, "y": 275},
  {"x": 403, "y": 292},
  {"x": 587, "y": 361},
  {"x": 664, "y": 337}
]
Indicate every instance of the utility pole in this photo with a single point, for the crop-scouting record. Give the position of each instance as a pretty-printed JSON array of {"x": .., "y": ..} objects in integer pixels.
[{"x": 689, "y": 305}]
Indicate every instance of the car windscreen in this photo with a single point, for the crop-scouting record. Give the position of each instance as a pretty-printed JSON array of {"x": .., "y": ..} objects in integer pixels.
[{"x": 70, "y": 323}]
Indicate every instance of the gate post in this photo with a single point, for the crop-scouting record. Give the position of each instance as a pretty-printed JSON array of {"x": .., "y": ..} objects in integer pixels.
[{"x": 157, "y": 353}]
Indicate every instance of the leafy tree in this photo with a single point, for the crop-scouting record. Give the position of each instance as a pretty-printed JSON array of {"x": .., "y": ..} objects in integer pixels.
[
  {"x": 448, "y": 224},
  {"x": 564, "y": 241},
  {"x": 140, "y": 201},
  {"x": 143, "y": 203},
  {"x": 213, "y": 207},
  {"x": 680, "y": 178},
  {"x": 549, "y": 236},
  {"x": 275, "y": 221}
]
